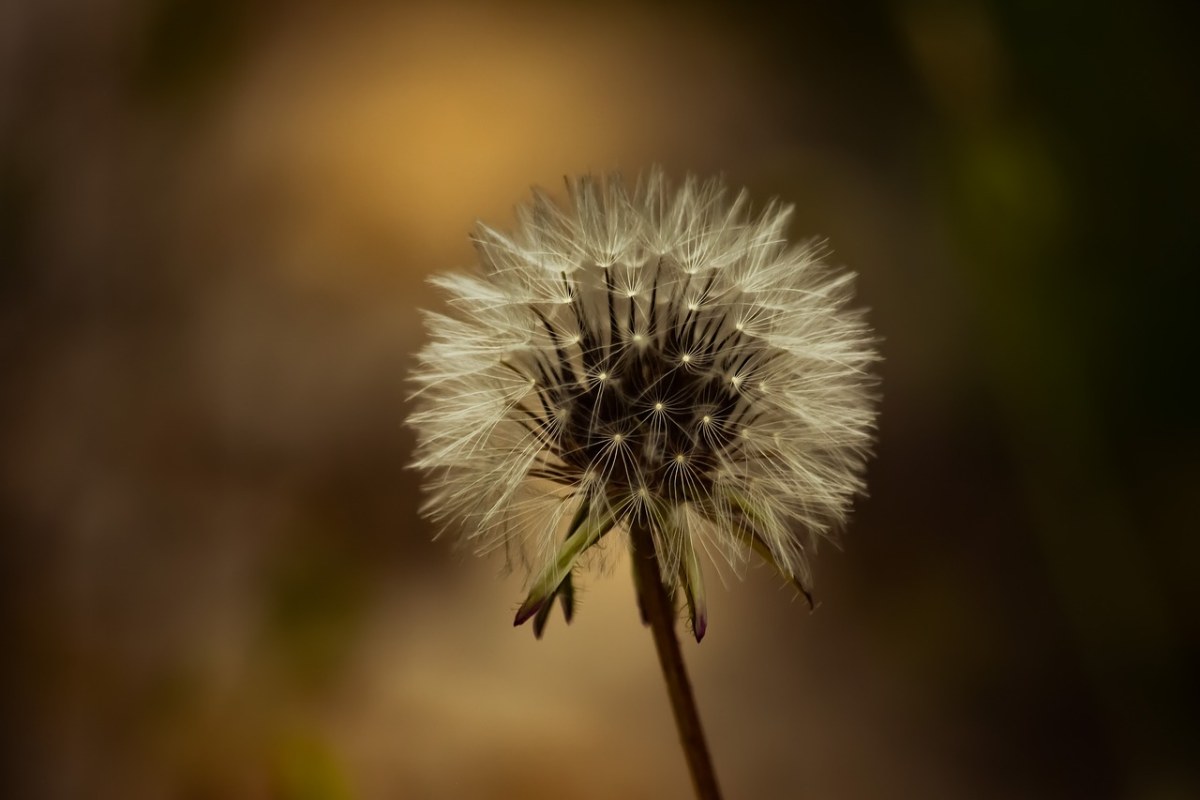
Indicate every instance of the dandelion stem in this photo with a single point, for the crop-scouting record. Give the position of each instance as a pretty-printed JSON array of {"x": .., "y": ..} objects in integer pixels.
[{"x": 659, "y": 613}]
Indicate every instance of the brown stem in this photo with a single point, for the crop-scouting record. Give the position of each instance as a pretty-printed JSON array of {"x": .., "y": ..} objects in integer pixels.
[{"x": 659, "y": 613}]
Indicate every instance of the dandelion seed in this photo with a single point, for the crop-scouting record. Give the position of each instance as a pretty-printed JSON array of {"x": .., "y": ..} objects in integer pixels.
[{"x": 645, "y": 359}]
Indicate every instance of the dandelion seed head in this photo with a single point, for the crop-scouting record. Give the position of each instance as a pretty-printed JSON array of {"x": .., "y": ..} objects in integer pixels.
[{"x": 646, "y": 356}]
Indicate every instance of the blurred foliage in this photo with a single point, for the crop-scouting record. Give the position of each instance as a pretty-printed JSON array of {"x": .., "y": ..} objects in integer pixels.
[
  {"x": 307, "y": 769},
  {"x": 188, "y": 48},
  {"x": 315, "y": 600}
]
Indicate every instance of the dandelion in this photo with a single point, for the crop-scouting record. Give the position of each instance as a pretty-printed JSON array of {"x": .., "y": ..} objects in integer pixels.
[{"x": 651, "y": 364}]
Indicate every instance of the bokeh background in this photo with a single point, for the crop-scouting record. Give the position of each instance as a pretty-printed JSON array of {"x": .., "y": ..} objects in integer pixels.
[{"x": 215, "y": 223}]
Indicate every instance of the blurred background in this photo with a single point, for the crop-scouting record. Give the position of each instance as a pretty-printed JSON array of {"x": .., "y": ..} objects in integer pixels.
[{"x": 216, "y": 219}]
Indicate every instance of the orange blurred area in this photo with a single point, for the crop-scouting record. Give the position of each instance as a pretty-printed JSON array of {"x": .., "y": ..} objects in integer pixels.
[{"x": 216, "y": 221}]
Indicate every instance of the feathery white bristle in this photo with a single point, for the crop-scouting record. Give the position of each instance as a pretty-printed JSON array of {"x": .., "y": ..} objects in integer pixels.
[{"x": 661, "y": 354}]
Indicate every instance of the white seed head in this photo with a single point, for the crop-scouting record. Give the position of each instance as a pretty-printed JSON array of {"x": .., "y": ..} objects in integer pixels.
[{"x": 650, "y": 357}]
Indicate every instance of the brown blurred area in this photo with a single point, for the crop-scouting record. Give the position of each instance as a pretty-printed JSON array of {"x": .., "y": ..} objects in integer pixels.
[{"x": 215, "y": 223}]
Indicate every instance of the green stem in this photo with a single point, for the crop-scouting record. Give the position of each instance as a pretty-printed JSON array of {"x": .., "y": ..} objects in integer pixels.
[{"x": 659, "y": 612}]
